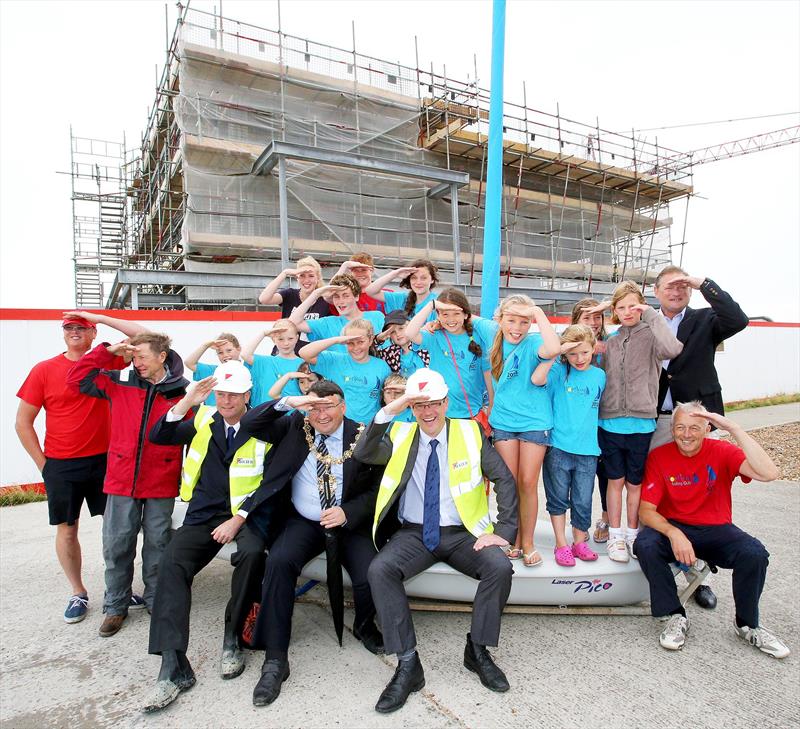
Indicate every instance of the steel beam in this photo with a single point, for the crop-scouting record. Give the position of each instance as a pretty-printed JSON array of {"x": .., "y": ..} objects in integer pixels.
[
  {"x": 456, "y": 235},
  {"x": 284, "y": 213},
  {"x": 275, "y": 151}
]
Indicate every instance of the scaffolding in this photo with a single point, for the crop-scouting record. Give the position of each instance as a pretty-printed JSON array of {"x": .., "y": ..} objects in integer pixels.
[{"x": 262, "y": 147}]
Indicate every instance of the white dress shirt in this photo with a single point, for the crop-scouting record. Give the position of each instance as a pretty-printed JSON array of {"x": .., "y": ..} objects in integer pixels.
[{"x": 673, "y": 325}]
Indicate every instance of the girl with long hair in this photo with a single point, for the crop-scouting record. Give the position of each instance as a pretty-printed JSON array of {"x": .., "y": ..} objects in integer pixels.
[{"x": 420, "y": 278}]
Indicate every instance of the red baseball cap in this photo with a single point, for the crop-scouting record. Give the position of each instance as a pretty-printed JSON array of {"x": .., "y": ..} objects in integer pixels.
[{"x": 79, "y": 320}]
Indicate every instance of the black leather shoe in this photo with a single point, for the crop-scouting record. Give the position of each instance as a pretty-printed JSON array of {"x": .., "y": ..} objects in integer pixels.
[
  {"x": 478, "y": 660},
  {"x": 704, "y": 596},
  {"x": 371, "y": 637},
  {"x": 273, "y": 673},
  {"x": 408, "y": 677}
]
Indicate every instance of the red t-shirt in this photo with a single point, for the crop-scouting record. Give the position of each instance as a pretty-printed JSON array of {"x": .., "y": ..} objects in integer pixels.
[
  {"x": 75, "y": 425},
  {"x": 365, "y": 303},
  {"x": 697, "y": 489}
]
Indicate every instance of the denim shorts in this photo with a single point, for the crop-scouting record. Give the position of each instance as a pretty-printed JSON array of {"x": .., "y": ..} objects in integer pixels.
[
  {"x": 539, "y": 437},
  {"x": 568, "y": 484}
]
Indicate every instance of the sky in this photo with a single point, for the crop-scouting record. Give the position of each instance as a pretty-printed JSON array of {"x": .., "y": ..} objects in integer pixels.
[{"x": 631, "y": 65}]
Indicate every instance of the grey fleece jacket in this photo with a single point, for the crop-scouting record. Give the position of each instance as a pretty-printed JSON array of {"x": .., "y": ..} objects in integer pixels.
[{"x": 632, "y": 362}]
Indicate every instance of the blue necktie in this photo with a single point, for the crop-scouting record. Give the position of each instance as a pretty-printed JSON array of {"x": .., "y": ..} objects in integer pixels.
[
  {"x": 430, "y": 508},
  {"x": 231, "y": 436}
]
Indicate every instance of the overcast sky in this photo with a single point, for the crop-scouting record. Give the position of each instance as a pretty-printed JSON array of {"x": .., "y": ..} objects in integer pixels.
[{"x": 633, "y": 65}]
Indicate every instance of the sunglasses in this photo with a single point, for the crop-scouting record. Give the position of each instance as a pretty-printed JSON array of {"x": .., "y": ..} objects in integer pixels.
[{"x": 75, "y": 328}]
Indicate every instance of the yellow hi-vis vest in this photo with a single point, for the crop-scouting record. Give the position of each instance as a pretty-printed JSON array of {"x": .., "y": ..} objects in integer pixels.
[
  {"x": 466, "y": 476},
  {"x": 246, "y": 469}
]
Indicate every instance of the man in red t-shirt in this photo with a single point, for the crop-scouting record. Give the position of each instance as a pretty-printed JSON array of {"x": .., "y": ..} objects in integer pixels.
[
  {"x": 73, "y": 462},
  {"x": 686, "y": 510}
]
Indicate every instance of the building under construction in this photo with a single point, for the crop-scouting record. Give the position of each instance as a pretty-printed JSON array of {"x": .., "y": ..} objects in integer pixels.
[{"x": 262, "y": 147}]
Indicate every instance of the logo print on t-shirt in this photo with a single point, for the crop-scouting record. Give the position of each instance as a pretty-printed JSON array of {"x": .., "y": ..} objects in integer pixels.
[
  {"x": 712, "y": 479},
  {"x": 514, "y": 369}
]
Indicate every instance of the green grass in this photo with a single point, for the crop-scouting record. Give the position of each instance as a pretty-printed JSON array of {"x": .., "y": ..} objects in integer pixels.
[
  {"x": 779, "y": 399},
  {"x": 16, "y": 495}
]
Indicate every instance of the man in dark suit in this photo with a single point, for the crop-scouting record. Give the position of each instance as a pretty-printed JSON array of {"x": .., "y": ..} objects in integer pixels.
[
  {"x": 222, "y": 469},
  {"x": 332, "y": 497},
  {"x": 433, "y": 489},
  {"x": 691, "y": 375}
]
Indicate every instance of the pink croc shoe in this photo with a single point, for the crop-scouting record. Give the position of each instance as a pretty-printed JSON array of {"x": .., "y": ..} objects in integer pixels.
[
  {"x": 582, "y": 552},
  {"x": 564, "y": 556}
]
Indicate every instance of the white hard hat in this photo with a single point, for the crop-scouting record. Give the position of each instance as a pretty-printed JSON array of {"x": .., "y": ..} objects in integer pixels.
[
  {"x": 428, "y": 382},
  {"x": 233, "y": 376}
]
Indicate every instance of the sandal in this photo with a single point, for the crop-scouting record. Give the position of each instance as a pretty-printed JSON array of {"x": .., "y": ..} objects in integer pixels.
[
  {"x": 513, "y": 552},
  {"x": 600, "y": 535},
  {"x": 564, "y": 556},
  {"x": 533, "y": 559},
  {"x": 583, "y": 552}
]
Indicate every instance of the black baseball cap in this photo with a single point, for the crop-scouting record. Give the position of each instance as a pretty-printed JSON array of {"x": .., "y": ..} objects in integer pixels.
[{"x": 398, "y": 316}]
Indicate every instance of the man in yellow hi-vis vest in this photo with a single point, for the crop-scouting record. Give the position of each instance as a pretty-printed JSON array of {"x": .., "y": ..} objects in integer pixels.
[
  {"x": 433, "y": 490},
  {"x": 222, "y": 469}
]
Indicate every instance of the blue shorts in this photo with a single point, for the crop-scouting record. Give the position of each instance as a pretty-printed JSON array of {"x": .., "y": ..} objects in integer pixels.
[
  {"x": 624, "y": 454},
  {"x": 539, "y": 437}
]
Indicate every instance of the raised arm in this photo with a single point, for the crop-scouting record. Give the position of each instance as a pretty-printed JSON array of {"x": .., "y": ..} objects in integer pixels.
[
  {"x": 190, "y": 362},
  {"x": 89, "y": 374},
  {"x": 311, "y": 351},
  {"x": 551, "y": 343},
  {"x": 757, "y": 465},
  {"x": 414, "y": 327},
  {"x": 270, "y": 295},
  {"x": 297, "y": 317},
  {"x": 249, "y": 350},
  {"x": 375, "y": 289},
  {"x": 667, "y": 345},
  {"x": 276, "y": 391},
  {"x": 128, "y": 328},
  {"x": 539, "y": 376},
  {"x": 729, "y": 319},
  {"x": 26, "y": 414}
]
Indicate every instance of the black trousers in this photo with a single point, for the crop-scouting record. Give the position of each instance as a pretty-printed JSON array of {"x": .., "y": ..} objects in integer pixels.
[
  {"x": 191, "y": 549},
  {"x": 405, "y": 556},
  {"x": 724, "y": 545},
  {"x": 300, "y": 541}
]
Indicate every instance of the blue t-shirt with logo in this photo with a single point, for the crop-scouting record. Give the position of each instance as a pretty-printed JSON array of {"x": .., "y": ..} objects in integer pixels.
[
  {"x": 576, "y": 400},
  {"x": 519, "y": 405},
  {"x": 331, "y": 326},
  {"x": 361, "y": 382},
  {"x": 397, "y": 300},
  {"x": 469, "y": 367},
  {"x": 202, "y": 370},
  {"x": 266, "y": 371}
]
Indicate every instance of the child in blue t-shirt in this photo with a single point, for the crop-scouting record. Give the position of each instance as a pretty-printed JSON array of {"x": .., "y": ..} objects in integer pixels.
[
  {"x": 394, "y": 386},
  {"x": 453, "y": 351},
  {"x": 357, "y": 372},
  {"x": 304, "y": 377},
  {"x": 226, "y": 346},
  {"x": 266, "y": 369},
  {"x": 575, "y": 386},
  {"x": 521, "y": 413},
  {"x": 420, "y": 278}
]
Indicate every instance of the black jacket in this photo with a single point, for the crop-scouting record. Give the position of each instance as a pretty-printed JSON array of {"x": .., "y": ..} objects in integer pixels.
[
  {"x": 375, "y": 447},
  {"x": 692, "y": 375},
  {"x": 212, "y": 495},
  {"x": 289, "y": 452}
]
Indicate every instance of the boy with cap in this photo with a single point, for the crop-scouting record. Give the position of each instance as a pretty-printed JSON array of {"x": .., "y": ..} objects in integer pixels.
[
  {"x": 396, "y": 349},
  {"x": 221, "y": 471},
  {"x": 433, "y": 490},
  {"x": 73, "y": 462}
]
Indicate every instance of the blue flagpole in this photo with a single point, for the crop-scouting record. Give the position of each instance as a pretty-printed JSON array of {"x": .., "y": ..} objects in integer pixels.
[{"x": 490, "y": 281}]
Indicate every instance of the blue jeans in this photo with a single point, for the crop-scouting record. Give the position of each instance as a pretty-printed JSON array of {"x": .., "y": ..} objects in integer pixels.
[
  {"x": 568, "y": 484},
  {"x": 538, "y": 437}
]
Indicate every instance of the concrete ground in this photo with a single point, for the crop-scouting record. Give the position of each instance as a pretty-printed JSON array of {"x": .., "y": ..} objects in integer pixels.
[{"x": 565, "y": 670}]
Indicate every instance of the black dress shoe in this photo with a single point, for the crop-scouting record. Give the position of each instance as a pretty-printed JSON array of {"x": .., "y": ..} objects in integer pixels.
[
  {"x": 273, "y": 673},
  {"x": 704, "y": 596},
  {"x": 478, "y": 660},
  {"x": 371, "y": 637},
  {"x": 408, "y": 677}
]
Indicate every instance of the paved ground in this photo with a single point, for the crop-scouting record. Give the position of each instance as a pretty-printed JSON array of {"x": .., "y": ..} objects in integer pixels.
[
  {"x": 753, "y": 418},
  {"x": 565, "y": 671}
]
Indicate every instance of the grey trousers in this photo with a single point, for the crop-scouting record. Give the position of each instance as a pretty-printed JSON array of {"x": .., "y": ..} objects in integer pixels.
[
  {"x": 123, "y": 518},
  {"x": 405, "y": 556}
]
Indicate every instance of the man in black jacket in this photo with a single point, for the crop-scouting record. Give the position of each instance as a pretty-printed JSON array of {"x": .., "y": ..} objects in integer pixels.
[
  {"x": 222, "y": 469},
  {"x": 691, "y": 375},
  {"x": 332, "y": 497}
]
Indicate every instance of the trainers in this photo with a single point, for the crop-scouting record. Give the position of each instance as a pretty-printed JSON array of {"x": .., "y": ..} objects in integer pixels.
[
  {"x": 564, "y": 556},
  {"x": 617, "y": 550},
  {"x": 600, "y": 535},
  {"x": 762, "y": 639},
  {"x": 137, "y": 602},
  {"x": 674, "y": 635},
  {"x": 629, "y": 544},
  {"x": 76, "y": 608}
]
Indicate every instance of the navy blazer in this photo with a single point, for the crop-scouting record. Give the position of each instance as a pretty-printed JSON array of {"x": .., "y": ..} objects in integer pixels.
[{"x": 692, "y": 374}]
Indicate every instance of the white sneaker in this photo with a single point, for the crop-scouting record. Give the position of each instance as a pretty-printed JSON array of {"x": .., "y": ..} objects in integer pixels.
[
  {"x": 762, "y": 639},
  {"x": 629, "y": 544},
  {"x": 617, "y": 551},
  {"x": 674, "y": 635}
]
